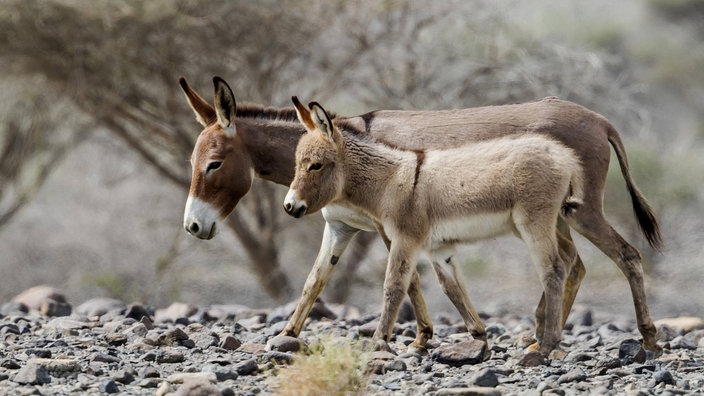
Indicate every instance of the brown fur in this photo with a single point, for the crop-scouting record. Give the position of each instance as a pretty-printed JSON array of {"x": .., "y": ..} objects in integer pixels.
[
  {"x": 514, "y": 184},
  {"x": 267, "y": 142}
]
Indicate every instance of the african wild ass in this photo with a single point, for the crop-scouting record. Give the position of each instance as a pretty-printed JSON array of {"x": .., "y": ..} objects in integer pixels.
[
  {"x": 254, "y": 141},
  {"x": 428, "y": 201}
]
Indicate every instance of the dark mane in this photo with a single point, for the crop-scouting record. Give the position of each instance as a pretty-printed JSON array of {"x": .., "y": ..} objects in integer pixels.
[
  {"x": 345, "y": 126},
  {"x": 258, "y": 112}
]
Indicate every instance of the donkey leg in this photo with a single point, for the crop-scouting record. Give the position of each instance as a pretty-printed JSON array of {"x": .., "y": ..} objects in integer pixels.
[
  {"x": 628, "y": 260},
  {"x": 336, "y": 237},
  {"x": 539, "y": 234},
  {"x": 453, "y": 286},
  {"x": 399, "y": 272},
  {"x": 576, "y": 272},
  {"x": 424, "y": 325}
]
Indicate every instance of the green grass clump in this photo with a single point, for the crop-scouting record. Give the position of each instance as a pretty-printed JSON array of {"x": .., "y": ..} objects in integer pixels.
[{"x": 333, "y": 366}]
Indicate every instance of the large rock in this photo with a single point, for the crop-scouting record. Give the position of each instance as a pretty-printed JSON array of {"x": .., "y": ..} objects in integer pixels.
[
  {"x": 45, "y": 299},
  {"x": 461, "y": 353}
]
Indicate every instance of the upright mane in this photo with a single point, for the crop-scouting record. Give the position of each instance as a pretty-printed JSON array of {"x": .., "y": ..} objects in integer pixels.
[
  {"x": 259, "y": 112},
  {"x": 254, "y": 111}
]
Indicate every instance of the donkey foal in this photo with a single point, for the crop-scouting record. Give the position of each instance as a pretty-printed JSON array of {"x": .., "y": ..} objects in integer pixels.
[{"x": 427, "y": 201}]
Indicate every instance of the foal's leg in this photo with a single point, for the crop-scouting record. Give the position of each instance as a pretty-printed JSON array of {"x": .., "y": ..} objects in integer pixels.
[
  {"x": 336, "y": 237},
  {"x": 538, "y": 232},
  {"x": 453, "y": 286},
  {"x": 399, "y": 273},
  {"x": 576, "y": 272},
  {"x": 424, "y": 325},
  {"x": 595, "y": 228}
]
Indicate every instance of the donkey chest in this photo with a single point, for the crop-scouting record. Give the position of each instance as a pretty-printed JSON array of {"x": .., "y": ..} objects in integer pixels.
[{"x": 468, "y": 229}]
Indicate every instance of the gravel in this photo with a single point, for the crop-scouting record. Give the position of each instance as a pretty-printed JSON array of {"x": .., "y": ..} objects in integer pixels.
[{"x": 108, "y": 347}]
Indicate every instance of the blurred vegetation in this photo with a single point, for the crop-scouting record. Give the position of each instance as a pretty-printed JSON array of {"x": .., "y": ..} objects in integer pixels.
[
  {"x": 332, "y": 366},
  {"x": 75, "y": 67}
]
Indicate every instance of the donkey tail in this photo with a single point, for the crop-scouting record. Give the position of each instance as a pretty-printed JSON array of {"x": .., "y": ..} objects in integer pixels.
[
  {"x": 642, "y": 210},
  {"x": 575, "y": 196}
]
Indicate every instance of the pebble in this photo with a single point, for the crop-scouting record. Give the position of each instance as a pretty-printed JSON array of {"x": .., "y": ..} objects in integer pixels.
[{"x": 107, "y": 347}]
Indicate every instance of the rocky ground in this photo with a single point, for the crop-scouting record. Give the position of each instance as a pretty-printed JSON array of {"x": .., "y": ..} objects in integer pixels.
[{"x": 107, "y": 346}]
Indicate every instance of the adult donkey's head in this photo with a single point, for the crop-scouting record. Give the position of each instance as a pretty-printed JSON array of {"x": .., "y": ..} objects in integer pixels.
[{"x": 222, "y": 169}]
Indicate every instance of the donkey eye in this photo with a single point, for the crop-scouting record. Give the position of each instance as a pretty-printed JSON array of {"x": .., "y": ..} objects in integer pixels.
[
  {"x": 215, "y": 165},
  {"x": 314, "y": 167}
]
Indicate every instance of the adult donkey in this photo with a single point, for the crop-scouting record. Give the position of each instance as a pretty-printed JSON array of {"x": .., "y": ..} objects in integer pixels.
[{"x": 241, "y": 142}]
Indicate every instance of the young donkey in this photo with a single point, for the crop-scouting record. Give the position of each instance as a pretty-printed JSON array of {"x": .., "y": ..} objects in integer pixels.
[{"x": 428, "y": 201}]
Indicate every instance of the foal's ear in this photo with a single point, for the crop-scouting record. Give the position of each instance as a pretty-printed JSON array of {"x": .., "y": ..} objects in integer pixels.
[
  {"x": 205, "y": 114},
  {"x": 321, "y": 119},
  {"x": 225, "y": 106}
]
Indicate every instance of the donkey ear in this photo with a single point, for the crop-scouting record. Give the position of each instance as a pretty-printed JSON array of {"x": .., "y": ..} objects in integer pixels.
[
  {"x": 321, "y": 119},
  {"x": 205, "y": 114},
  {"x": 225, "y": 106},
  {"x": 303, "y": 114}
]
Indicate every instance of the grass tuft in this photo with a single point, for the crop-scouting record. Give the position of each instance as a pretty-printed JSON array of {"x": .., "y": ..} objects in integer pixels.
[{"x": 332, "y": 366}]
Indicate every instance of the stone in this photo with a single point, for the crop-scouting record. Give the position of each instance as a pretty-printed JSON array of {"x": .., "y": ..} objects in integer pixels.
[
  {"x": 284, "y": 344},
  {"x": 56, "y": 365},
  {"x": 532, "y": 359},
  {"x": 630, "y": 351},
  {"x": 99, "y": 306},
  {"x": 137, "y": 312},
  {"x": 485, "y": 378},
  {"x": 247, "y": 367},
  {"x": 172, "y": 337},
  {"x": 168, "y": 355},
  {"x": 197, "y": 388},
  {"x": 109, "y": 386},
  {"x": 54, "y": 308},
  {"x": 574, "y": 375},
  {"x": 395, "y": 365},
  {"x": 174, "y": 311},
  {"x": 684, "y": 323},
  {"x": 34, "y": 297},
  {"x": 471, "y": 391},
  {"x": 221, "y": 373},
  {"x": 461, "y": 353},
  {"x": 230, "y": 343},
  {"x": 32, "y": 374},
  {"x": 180, "y": 378},
  {"x": 663, "y": 377},
  {"x": 124, "y": 376}
]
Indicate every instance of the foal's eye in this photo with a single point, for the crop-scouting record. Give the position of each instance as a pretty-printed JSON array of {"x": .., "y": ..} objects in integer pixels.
[
  {"x": 215, "y": 165},
  {"x": 314, "y": 167}
]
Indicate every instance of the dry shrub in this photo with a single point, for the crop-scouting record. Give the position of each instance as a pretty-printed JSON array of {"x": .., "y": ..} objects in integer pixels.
[{"x": 333, "y": 366}]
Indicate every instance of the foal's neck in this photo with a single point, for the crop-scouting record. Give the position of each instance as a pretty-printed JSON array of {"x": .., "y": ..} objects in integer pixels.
[{"x": 373, "y": 168}]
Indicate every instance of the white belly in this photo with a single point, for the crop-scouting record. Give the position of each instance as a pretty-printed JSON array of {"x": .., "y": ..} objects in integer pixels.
[
  {"x": 353, "y": 217},
  {"x": 468, "y": 229}
]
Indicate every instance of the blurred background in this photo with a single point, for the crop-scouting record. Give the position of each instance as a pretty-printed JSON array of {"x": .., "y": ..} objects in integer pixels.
[{"x": 95, "y": 136}]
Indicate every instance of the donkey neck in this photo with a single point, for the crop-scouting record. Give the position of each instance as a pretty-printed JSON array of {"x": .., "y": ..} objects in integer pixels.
[
  {"x": 373, "y": 168},
  {"x": 271, "y": 145}
]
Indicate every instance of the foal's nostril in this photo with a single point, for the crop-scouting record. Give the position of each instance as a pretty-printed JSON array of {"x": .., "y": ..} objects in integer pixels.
[
  {"x": 287, "y": 207},
  {"x": 193, "y": 228}
]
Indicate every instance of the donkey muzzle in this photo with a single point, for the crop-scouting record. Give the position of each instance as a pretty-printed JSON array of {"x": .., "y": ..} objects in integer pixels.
[{"x": 293, "y": 206}]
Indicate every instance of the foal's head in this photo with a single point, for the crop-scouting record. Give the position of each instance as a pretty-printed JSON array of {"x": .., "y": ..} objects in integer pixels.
[
  {"x": 222, "y": 169},
  {"x": 319, "y": 168}
]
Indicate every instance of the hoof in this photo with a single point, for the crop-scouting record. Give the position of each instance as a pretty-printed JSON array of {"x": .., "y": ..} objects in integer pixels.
[
  {"x": 653, "y": 353},
  {"x": 533, "y": 359},
  {"x": 534, "y": 347},
  {"x": 418, "y": 349},
  {"x": 381, "y": 345}
]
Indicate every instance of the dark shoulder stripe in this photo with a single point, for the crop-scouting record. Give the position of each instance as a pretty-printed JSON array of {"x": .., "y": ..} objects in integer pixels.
[{"x": 420, "y": 158}]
